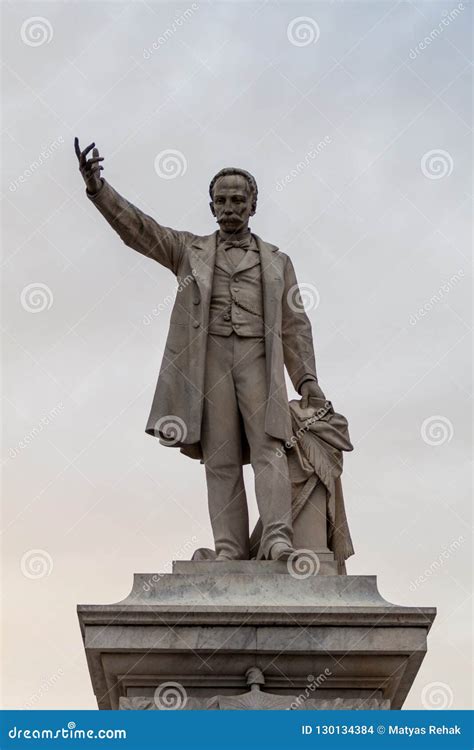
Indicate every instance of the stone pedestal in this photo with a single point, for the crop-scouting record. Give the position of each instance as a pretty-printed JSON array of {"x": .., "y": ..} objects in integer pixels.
[{"x": 247, "y": 634}]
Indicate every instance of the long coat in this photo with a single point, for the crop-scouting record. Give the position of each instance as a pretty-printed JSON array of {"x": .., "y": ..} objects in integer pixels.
[{"x": 176, "y": 412}]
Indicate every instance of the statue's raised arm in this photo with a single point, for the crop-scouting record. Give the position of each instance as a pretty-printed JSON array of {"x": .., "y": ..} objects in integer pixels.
[{"x": 138, "y": 230}]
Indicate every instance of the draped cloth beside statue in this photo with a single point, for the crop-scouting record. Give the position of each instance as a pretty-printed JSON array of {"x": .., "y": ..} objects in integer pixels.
[{"x": 315, "y": 460}]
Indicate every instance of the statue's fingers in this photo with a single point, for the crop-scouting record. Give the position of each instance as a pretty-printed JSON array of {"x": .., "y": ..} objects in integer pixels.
[
  {"x": 96, "y": 168},
  {"x": 95, "y": 159},
  {"x": 86, "y": 151},
  {"x": 95, "y": 152},
  {"x": 77, "y": 148}
]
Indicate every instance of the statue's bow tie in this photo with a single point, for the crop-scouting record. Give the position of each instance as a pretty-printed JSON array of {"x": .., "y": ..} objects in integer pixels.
[{"x": 244, "y": 244}]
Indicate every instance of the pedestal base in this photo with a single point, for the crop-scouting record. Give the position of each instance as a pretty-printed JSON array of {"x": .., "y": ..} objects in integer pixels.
[{"x": 320, "y": 642}]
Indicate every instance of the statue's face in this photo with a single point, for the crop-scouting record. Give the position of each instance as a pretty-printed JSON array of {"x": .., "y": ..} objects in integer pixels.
[{"x": 232, "y": 203}]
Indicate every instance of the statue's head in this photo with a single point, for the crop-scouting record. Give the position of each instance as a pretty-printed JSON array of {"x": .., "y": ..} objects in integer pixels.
[{"x": 233, "y": 198}]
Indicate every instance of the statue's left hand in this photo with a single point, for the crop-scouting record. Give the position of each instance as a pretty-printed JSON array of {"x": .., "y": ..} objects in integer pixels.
[{"x": 310, "y": 389}]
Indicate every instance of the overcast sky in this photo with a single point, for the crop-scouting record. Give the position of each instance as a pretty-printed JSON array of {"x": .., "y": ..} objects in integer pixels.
[{"x": 357, "y": 124}]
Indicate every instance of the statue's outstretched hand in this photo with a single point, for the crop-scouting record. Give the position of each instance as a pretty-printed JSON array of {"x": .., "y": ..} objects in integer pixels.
[{"x": 90, "y": 169}]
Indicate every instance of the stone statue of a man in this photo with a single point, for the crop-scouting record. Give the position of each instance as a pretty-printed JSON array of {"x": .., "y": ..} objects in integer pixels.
[{"x": 236, "y": 324}]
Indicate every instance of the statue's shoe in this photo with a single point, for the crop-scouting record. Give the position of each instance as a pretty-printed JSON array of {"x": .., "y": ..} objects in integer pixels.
[{"x": 281, "y": 551}]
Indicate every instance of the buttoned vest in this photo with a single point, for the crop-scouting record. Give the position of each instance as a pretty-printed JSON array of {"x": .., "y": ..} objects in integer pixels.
[{"x": 237, "y": 295}]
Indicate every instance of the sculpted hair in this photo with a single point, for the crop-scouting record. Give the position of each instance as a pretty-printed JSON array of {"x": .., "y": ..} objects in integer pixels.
[{"x": 251, "y": 182}]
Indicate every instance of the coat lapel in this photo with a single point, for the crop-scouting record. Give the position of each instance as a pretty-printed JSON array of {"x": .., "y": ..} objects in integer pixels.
[
  {"x": 203, "y": 256},
  {"x": 272, "y": 279}
]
